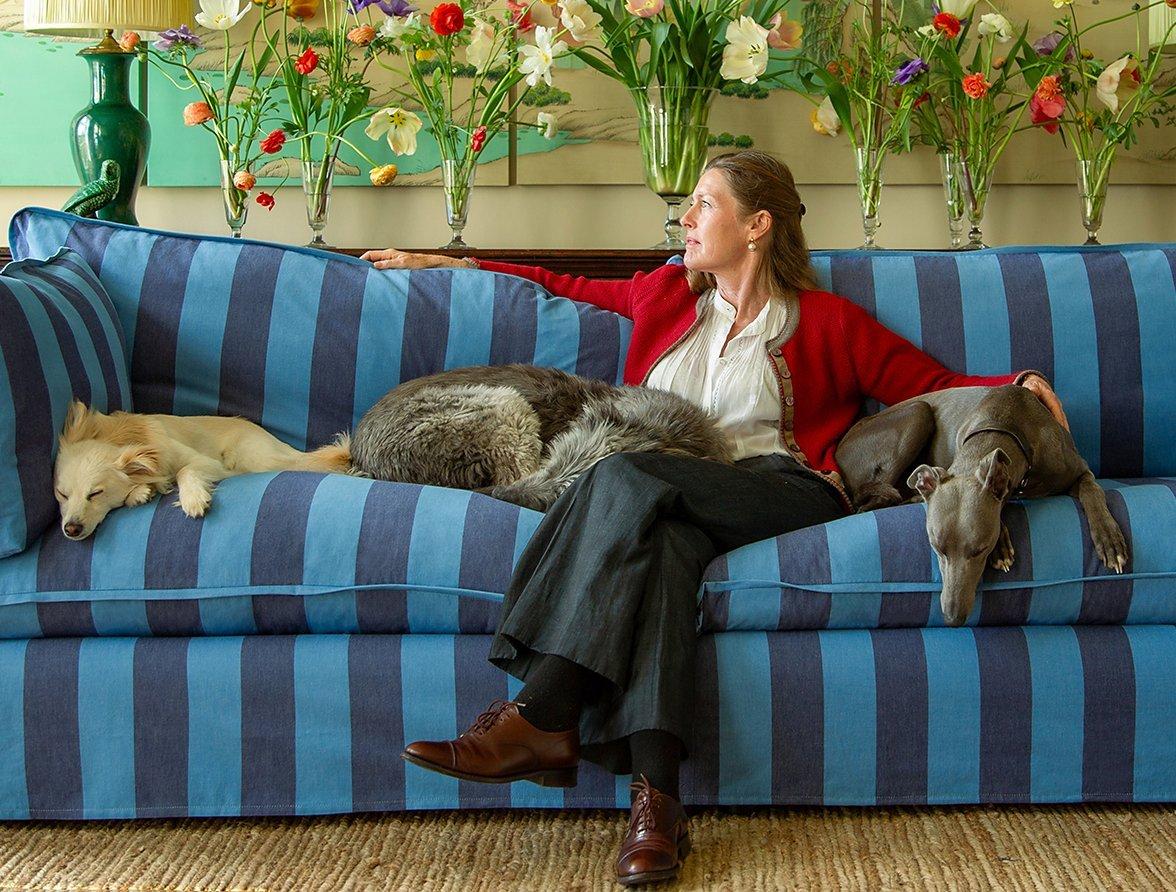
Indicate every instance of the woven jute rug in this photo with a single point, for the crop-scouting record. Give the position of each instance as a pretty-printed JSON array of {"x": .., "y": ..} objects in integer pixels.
[{"x": 1124, "y": 848}]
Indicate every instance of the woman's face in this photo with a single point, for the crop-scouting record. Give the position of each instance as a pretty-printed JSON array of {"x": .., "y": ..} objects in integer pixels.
[{"x": 716, "y": 231}]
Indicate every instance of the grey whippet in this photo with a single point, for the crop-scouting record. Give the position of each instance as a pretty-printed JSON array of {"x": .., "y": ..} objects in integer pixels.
[{"x": 966, "y": 451}]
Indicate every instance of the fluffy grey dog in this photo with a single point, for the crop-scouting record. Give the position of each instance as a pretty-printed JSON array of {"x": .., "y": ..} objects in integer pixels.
[{"x": 521, "y": 433}]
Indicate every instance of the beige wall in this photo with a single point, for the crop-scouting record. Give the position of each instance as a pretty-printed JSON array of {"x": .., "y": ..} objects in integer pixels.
[{"x": 630, "y": 216}]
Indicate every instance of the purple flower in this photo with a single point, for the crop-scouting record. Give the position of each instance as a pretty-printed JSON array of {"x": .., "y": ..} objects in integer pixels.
[
  {"x": 1046, "y": 45},
  {"x": 390, "y": 7},
  {"x": 909, "y": 72},
  {"x": 182, "y": 36}
]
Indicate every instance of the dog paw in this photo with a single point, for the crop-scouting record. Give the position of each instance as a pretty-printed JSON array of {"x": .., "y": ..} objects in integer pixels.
[
  {"x": 1111, "y": 547},
  {"x": 1003, "y": 554},
  {"x": 194, "y": 502},
  {"x": 140, "y": 495}
]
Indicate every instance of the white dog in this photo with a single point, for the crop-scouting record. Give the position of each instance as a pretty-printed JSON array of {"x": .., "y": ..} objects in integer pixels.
[{"x": 106, "y": 461}]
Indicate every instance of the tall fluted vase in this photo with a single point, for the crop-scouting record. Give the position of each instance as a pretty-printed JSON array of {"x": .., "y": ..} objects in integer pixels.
[
  {"x": 869, "y": 178},
  {"x": 457, "y": 177},
  {"x": 672, "y": 133},
  {"x": 317, "y": 177},
  {"x": 953, "y": 193},
  {"x": 1093, "y": 178},
  {"x": 236, "y": 201},
  {"x": 976, "y": 181}
]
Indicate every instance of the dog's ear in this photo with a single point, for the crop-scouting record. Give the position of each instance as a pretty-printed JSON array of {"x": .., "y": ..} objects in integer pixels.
[
  {"x": 925, "y": 478},
  {"x": 993, "y": 474},
  {"x": 138, "y": 461},
  {"x": 76, "y": 424}
]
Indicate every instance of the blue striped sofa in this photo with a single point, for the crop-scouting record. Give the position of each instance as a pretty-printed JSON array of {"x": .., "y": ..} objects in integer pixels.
[{"x": 274, "y": 657}]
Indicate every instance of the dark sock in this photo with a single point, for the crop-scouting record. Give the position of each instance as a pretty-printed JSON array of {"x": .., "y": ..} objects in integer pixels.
[
  {"x": 657, "y": 755},
  {"x": 555, "y": 693}
]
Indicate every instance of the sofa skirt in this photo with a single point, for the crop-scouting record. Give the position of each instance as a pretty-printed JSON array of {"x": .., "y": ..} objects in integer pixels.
[{"x": 314, "y": 724}]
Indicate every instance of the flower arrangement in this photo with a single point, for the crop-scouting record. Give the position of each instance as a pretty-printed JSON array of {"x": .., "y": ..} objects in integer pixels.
[{"x": 1098, "y": 106}]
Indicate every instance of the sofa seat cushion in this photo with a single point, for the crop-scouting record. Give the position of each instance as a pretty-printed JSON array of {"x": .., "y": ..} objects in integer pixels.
[{"x": 877, "y": 570}]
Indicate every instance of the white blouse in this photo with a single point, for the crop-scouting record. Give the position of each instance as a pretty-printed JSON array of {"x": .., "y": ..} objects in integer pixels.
[{"x": 737, "y": 385}]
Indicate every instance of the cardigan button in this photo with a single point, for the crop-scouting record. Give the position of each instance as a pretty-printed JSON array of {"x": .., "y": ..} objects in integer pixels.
[
  {"x": 787, "y": 425},
  {"x": 788, "y": 401},
  {"x": 786, "y": 373},
  {"x": 777, "y": 352},
  {"x": 794, "y": 447}
]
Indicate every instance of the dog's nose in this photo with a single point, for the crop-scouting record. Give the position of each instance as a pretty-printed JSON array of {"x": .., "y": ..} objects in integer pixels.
[{"x": 73, "y": 530}]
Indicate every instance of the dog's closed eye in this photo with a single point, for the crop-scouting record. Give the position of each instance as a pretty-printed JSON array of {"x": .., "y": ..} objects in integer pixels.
[{"x": 96, "y": 492}]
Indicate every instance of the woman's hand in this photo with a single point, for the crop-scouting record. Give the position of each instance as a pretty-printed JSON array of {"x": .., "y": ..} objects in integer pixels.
[
  {"x": 390, "y": 258},
  {"x": 1041, "y": 389}
]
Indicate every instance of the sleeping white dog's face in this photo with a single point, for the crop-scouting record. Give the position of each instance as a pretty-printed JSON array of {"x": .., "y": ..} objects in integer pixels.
[{"x": 91, "y": 478}]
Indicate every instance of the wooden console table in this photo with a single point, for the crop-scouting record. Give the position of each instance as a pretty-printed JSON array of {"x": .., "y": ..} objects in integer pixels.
[{"x": 596, "y": 263}]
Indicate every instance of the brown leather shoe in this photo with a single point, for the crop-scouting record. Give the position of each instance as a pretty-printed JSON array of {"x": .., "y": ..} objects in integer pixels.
[
  {"x": 501, "y": 746},
  {"x": 658, "y": 840}
]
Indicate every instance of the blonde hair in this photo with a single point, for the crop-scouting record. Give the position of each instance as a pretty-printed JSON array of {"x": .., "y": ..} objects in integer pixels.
[{"x": 761, "y": 183}]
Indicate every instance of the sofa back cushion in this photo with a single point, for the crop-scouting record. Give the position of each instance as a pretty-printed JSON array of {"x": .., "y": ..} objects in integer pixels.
[
  {"x": 59, "y": 339},
  {"x": 1100, "y": 322},
  {"x": 301, "y": 341}
]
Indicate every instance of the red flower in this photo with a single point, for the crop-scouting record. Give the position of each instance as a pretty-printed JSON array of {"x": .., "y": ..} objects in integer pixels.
[
  {"x": 947, "y": 23},
  {"x": 1047, "y": 104},
  {"x": 478, "y": 139},
  {"x": 273, "y": 143},
  {"x": 265, "y": 200},
  {"x": 446, "y": 19},
  {"x": 307, "y": 62},
  {"x": 922, "y": 98},
  {"x": 520, "y": 15},
  {"x": 975, "y": 85}
]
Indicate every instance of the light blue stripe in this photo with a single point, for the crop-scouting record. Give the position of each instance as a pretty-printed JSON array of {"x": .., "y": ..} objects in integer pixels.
[
  {"x": 214, "y": 726},
  {"x": 288, "y": 354},
  {"x": 429, "y": 708},
  {"x": 754, "y": 608},
  {"x": 227, "y": 616},
  {"x": 48, "y": 351},
  {"x": 1151, "y": 511},
  {"x": 745, "y": 717},
  {"x": 44, "y": 234},
  {"x": 123, "y": 267},
  {"x": 987, "y": 347},
  {"x": 322, "y": 723},
  {"x": 896, "y": 296},
  {"x": 471, "y": 319},
  {"x": 434, "y": 557},
  {"x": 19, "y": 576},
  {"x": 226, "y": 539},
  {"x": 1055, "y": 536},
  {"x": 12, "y": 516},
  {"x": 332, "y": 543},
  {"x": 1155, "y": 293},
  {"x": 106, "y": 726},
  {"x": 625, "y": 330},
  {"x": 823, "y": 268},
  {"x": 854, "y": 556},
  {"x": 557, "y": 333},
  {"x": 201, "y": 330},
  {"x": 1155, "y": 712},
  {"x": 953, "y": 716},
  {"x": 120, "y": 547},
  {"x": 380, "y": 340},
  {"x": 1076, "y": 376},
  {"x": 120, "y": 617},
  {"x": 110, "y": 329},
  {"x": 20, "y": 621},
  {"x": 851, "y": 718},
  {"x": 14, "y": 790},
  {"x": 1058, "y": 695}
]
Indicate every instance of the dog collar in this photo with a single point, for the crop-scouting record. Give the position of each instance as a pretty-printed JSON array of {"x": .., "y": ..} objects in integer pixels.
[{"x": 1020, "y": 490}]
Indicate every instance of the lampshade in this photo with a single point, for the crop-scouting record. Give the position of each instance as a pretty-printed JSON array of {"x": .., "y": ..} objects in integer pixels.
[
  {"x": 82, "y": 18},
  {"x": 1160, "y": 18}
]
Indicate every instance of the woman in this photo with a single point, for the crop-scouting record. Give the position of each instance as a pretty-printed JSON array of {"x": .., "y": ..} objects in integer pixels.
[{"x": 600, "y": 617}]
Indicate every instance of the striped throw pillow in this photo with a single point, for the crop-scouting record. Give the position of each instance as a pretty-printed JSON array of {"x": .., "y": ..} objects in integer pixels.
[{"x": 59, "y": 339}]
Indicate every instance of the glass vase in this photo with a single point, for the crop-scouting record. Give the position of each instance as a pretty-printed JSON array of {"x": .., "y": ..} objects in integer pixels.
[
  {"x": 953, "y": 193},
  {"x": 458, "y": 180},
  {"x": 672, "y": 133},
  {"x": 236, "y": 200},
  {"x": 1093, "y": 177},
  {"x": 316, "y": 186},
  {"x": 976, "y": 180},
  {"x": 869, "y": 179}
]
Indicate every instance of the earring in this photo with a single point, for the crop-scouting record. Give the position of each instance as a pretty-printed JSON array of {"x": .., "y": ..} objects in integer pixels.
[{"x": 751, "y": 246}]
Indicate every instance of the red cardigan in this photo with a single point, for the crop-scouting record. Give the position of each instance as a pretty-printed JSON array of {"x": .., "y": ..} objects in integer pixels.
[{"x": 836, "y": 356}]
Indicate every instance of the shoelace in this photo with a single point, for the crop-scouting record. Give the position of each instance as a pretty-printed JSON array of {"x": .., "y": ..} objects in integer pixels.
[
  {"x": 644, "y": 803},
  {"x": 487, "y": 719}
]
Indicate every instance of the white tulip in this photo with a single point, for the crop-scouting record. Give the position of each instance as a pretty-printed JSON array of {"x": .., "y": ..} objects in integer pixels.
[
  {"x": 745, "y": 57},
  {"x": 401, "y": 127},
  {"x": 958, "y": 8},
  {"x": 546, "y": 123},
  {"x": 220, "y": 15},
  {"x": 396, "y": 25},
  {"x": 580, "y": 19},
  {"x": 535, "y": 61},
  {"x": 480, "y": 53},
  {"x": 995, "y": 23}
]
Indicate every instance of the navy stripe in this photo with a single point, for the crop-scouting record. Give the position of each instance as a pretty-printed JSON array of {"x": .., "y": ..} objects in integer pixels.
[
  {"x": 1108, "y": 741},
  {"x": 426, "y": 325},
  {"x": 798, "y": 717},
  {"x": 33, "y": 411},
  {"x": 715, "y": 609},
  {"x": 334, "y": 355},
  {"x": 279, "y": 535},
  {"x": 1006, "y": 715},
  {"x": 1010, "y": 606},
  {"x": 902, "y": 544},
  {"x": 1120, "y": 370},
  {"x": 268, "y": 776},
  {"x": 77, "y": 264},
  {"x": 247, "y": 324},
  {"x": 1031, "y": 341},
  {"x": 1107, "y": 597},
  {"x": 280, "y": 614},
  {"x": 700, "y": 772},
  {"x": 157, "y": 324},
  {"x": 593, "y": 786},
  {"x": 90, "y": 241},
  {"x": 52, "y": 750},
  {"x": 900, "y": 672},
  {"x": 178, "y": 617},
  {"x": 62, "y": 564},
  {"x": 66, "y": 619},
  {"x": 804, "y": 558},
  {"x": 67, "y": 343},
  {"x": 941, "y": 310},
  {"x": 487, "y": 551},
  {"x": 476, "y": 690},
  {"x": 515, "y": 324},
  {"x": 173, "y": 547},
  {"x": 382, "y": 556},
  {"x": 852, "y": 275},
  {"x": 600, "y": 344},
  {"x": 377, "y": 727},
  {"x": 161, "y": 726}
]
